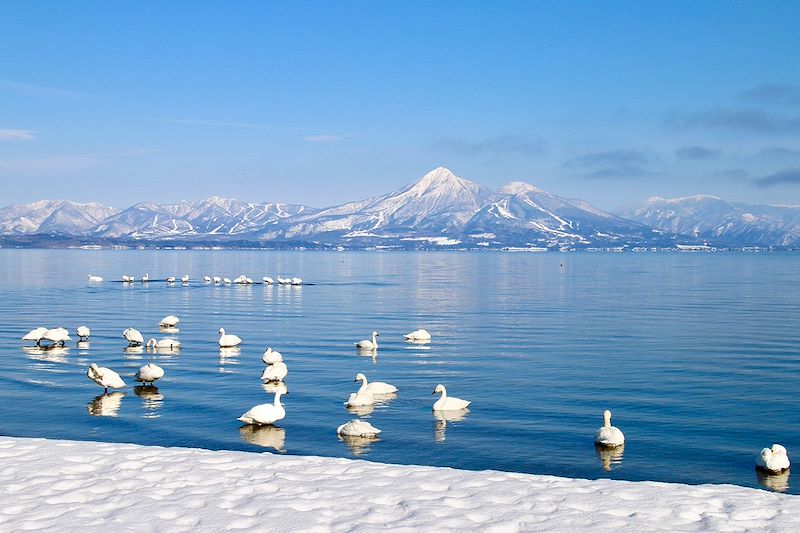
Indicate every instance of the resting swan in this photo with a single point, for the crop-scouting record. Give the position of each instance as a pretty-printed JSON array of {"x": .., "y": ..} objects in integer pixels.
[
  {"x": 169, "y": 321},
  {"x": 418, "y": 335},
  {"x": 83, "y": 333},
  {"x": 446, "y": 403},
  {"x": 228, "y": 340},
  {"x": 609, "y": 435},
  {"x": 56, "y": 336},
  {"x": 105, "y": 377},
  {"x": 275, "y": 372},
  {"x": 35, "y": 334},
  {"x": 357, "y": 428},
  {"x": 265, "y": 413},
  {"x": 133, "y": 336},
  {"x": 149, "y": 373},
  {"x": 376, "y": 387},
  {"x": 369, "y": 344},
  {"x": 774, "y": 460},
  {"x": 166, "y": 342},
  {"x": 270, "y": 357}
]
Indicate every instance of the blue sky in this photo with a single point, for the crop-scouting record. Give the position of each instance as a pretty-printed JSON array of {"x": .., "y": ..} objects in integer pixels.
[{"x": 324, "y": 102}]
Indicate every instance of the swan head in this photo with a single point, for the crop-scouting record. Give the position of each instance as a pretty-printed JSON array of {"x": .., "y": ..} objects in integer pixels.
[
  {"x": 376, "y": 334},
  {"x": 360, "y": 377},
  {"x": 221, "y": 331},
  {"x": 439, "y": 388},
  {"x": 777, "y": 449},
  {"x": 94, "y": 366},
  {"x": 607, "y": 418},
  {"x": 151, "y": 343}
]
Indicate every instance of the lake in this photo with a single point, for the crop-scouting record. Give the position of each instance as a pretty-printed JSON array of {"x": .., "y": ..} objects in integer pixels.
[{"x": 696, "y": 355}]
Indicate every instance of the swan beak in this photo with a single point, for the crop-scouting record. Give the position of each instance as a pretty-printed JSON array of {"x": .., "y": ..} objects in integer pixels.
[
  {"x": 355, "y": 380},
  {"x": 434, "y": 392}
]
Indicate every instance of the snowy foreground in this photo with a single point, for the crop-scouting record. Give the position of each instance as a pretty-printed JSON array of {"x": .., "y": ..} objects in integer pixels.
[{"x": 88, "y": 486}]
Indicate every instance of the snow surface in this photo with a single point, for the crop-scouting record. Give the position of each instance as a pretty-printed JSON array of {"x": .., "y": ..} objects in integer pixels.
[{"x": 89, "y": 486}]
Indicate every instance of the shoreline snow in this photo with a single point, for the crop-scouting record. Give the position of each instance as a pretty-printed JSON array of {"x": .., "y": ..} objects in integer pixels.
[{"x": 94, "y": 486}]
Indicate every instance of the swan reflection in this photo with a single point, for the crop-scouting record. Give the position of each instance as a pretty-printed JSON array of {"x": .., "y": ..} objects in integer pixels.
[
  {"x": 264, "y": 436},
  {"x": 361, "y": 410},
  {"x": 83, "y": 345},
  {"x": 272, "y": 387},
  {"x": 358, "y": 445},
  {"x": 441, "y": 418},
  {"x": 168, "y": 329},
  {"x": 152, "y": 399},
  {"x": 774, "y": 482},
  {"x": 106, "y": 404},
  {"x": 133, "y": 352},
  {"x": 53, "y": 354},
  {"x": 228, "y": 356},
  {"x": 610, "y": 458}
]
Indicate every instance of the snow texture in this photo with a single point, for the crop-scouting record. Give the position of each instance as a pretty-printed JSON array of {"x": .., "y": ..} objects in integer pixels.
[{"x": 87, "y": 486}]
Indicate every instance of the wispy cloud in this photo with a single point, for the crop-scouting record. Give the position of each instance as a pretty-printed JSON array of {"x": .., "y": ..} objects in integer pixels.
[
  {"x": 696, "y": 152},
  {"x": 788, "y": 176},
  {"x": 61, "y": 165},
  {"x": 743, "y": 120},
  {"x": 500, "y": 145},
  {"x": 42, "y": 91},
  {"x": 16, "y": 135},
  {"x": 612, "y": 164},
  {"x": 780, "y": 151},
  {"x": 322, "y": 138},
  {"x": 774, "y": 94}
]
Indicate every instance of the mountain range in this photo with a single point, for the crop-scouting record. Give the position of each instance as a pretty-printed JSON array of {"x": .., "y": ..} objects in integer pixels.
[{"x": 439, "y": 210}]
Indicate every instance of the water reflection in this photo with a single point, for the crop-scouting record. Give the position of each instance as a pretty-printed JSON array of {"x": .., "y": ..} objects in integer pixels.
[
  {"x": 264, "y": 436},
  {"x": 83, "y": 345},
  {"x": 228, "y": 356},
  {"x": 153, "y": 400},
  {"x": 774, "y": 482},
  {"x": 419, "y": 343},
  {"x": 164, "y": 349},
  {"x": 54, "y": 354},
  {"x": 361, "y": 411},
  {"x": 168, "y": 329},
  {"x": 441, "y": 418},
  {"x": 358, "y": 445},
  {"x": 133, "y": 352},
  {"x": 106, "y": 404},
  {"x": 271, "y": 387},
  {"x": 610, "y": 458}
]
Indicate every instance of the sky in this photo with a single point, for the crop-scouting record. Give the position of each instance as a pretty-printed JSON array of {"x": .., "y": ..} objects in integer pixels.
[{"x": 320, "y": 103}]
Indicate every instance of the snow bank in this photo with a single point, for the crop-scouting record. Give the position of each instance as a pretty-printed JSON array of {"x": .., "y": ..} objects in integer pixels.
[{"x": 88, "y": 486}]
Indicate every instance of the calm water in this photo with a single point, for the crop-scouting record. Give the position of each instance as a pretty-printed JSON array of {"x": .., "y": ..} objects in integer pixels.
[{"x": 697, "y": 355}]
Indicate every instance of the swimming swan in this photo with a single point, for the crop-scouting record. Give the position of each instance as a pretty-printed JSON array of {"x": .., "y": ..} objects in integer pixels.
[
  {"x": 609, "y": 435},
  {"x": 275, "y": 372},
  {"x": 95, "y": 279},
  {"x": 133, "y": 336},
  {"x": 357, "y": 428},
  {"x": 360, "y": 398},
  {"x": 369, "y": 344},
  {"x": 376, "y": 387},
  {"x": 105, "y": 377},
  {"x": 169, "y": 321},
  {"x": 418, "y": 335},
  {"x": 446, "y": 403},
  {"x": 83, "y": 332},
  {"x": 271, "y": 357},
  {"x": 265, "y": 413},
  {"x": 774, "y": 460},
  {"x": 228, "y": 341},
  {"x": 149, "y": 373},
  {"x": 166, "y": 342}
]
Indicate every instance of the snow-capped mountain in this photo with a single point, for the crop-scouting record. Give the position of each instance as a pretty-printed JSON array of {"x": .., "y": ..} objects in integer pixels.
[
  {"x": 212, "y": 216},
  {"x": 52, "y": 216},
  {"x": 526, "y": 214},
  {"x": 436, "y": 205},
  {"x": 714, "y": 219}
]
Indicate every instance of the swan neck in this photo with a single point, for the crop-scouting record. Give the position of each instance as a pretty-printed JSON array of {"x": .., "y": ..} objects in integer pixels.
[
  {"x": 374, "y": 343},
  {"x": 607, "y": 419},
  {"x": 444, "y": 394},
  {"x": 278, "y": 394},
  {"x": 363, "y": 387}
]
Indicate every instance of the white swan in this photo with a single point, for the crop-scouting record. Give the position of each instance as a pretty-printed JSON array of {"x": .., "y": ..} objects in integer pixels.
[
  {"x": 128, "y": 279},
  {"x": 357, "y": 428},
  {"x": 267, "y": 280},
  {"x": 149, "y": 373},
  {"x": 35, "y": 335},
  {"x": 217, "y": 280},
  {"x": 95, "y": 279},
  {"x": 166, "y": 342},
  {"x": 185, "y": 278},
  {"x": 296, "y": 281},
  {"x": 228, "y": 341},
  {"x": 270, "y": 357},
  {"x": 226, "y": 281},
  {"x": 609, "y": 435},
  {"x": 376, "y": 387},
  {"x": 206, "y": 279},
  {"x": 275, "y": 372},
  {"x": 369, "y": 344},
  {"x": 83, "y": 332},
  {"x": 56, "y": 336},
  {"x": 169, "y": 321},
  {"x": 145, "y": 278},
  {"x": 360, "y": 398},
  {"x": 133, "y": 336},
  {"x": 171, "y": 279},
  {"x": 418, "y": 335},
  {"x": 446, "y": 403},
  {"x": 265, "y": 413},
  {"x": 105, "y": 377},
  {"x": 774, "y": 460}
]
